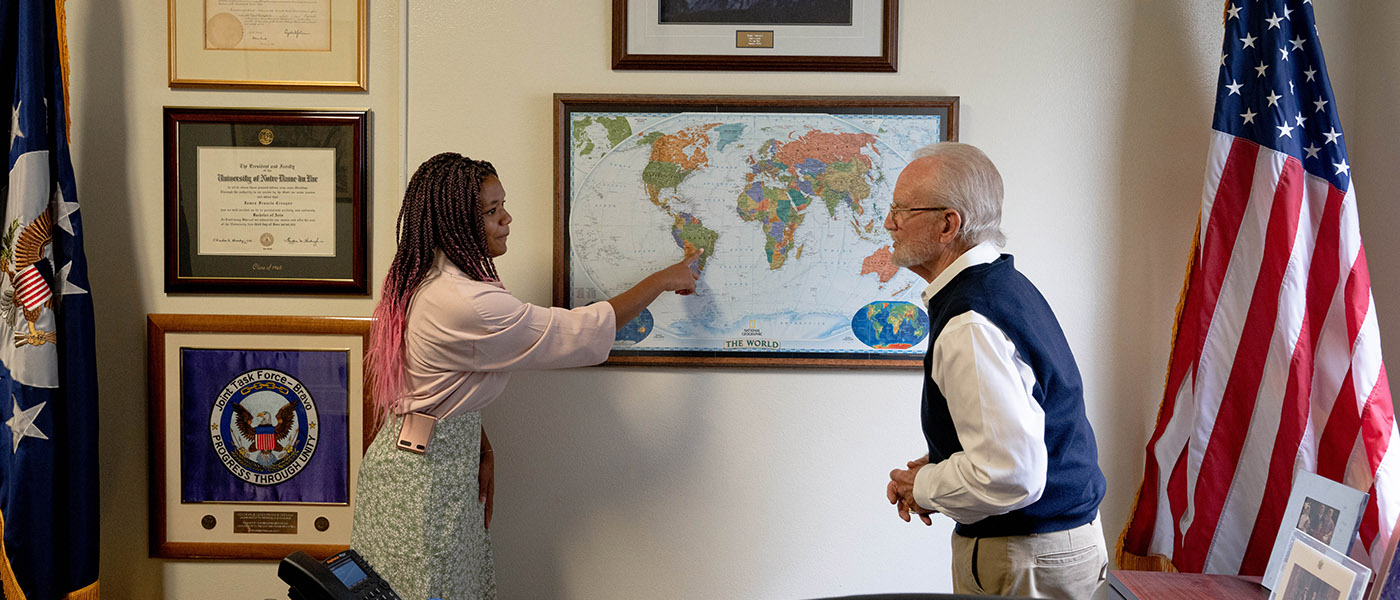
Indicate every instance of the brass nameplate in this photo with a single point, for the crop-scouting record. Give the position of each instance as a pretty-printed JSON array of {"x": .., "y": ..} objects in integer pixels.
[
  {"x": 753, "y": 39},
  {"x": 264, "y": 522}
]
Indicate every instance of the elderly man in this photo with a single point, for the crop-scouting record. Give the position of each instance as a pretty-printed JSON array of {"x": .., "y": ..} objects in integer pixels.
[{"x": 1012, "y": 458}]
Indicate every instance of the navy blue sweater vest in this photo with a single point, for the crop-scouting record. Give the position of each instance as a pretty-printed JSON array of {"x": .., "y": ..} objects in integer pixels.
[{"x": 1074, "y": 485}]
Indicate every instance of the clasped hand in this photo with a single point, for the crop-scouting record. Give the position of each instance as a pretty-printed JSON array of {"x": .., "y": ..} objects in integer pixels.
[{"x": 900, "y": 491}]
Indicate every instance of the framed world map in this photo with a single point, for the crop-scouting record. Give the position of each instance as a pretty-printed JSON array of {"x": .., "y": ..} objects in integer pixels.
[{"x": 786, "y": 195}]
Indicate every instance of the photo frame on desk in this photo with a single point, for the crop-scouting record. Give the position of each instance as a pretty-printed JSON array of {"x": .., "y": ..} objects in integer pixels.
[
  {"x": 1321, "y": 509},
  {"x": 264, "y": 44},
  {"x": 1312, "y": 570},
  {"x": 257, "y": 427},
  {"x": 784, "y": 196},
  {"x": 819, "y": 35},
  {"x": 266, "y": 201}
]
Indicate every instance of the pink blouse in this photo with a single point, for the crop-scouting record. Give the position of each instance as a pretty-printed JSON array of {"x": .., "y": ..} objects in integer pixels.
[{"x": 464, "y": 337}]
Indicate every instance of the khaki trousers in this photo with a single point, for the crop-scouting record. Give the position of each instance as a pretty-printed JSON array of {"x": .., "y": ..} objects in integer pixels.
[{"x": 1067, "y": 565}]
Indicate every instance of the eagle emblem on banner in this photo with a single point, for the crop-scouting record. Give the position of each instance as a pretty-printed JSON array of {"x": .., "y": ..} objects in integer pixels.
[{"x": 28, "y": 274}]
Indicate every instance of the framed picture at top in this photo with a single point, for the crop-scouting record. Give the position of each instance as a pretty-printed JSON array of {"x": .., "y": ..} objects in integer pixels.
[
  {"x": 756, "y": 35},
  {"x": 268, "y": 44},
  {"x": 261, "y": 201},
  {"x": 785, "y": 196}
]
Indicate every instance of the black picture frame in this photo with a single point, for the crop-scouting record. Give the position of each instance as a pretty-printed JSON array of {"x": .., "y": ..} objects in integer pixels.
[
  {"x": 761, "y": 45},
  {"x": 279, "y": 250},
  {"x": 566, "y": 105}
]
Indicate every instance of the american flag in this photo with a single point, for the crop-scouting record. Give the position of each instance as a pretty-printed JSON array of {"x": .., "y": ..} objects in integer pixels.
[{"x": 1276, "y": 362}]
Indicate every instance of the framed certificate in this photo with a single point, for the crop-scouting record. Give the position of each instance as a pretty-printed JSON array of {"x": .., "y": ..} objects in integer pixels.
[
  {"x": 265, "y": 201},
  {"x": 812, "y": 35},
  {"x": 268, "y": 44},
  {"x": 257, "y": 426}
]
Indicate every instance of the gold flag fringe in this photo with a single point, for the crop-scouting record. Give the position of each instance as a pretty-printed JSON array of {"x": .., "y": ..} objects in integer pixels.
[
  {"x": 61, "y": 13},
  {"x": 7, "y": 574},
  {"x": 1156, "y": 562},
  {"x": 88, "y": 593}
]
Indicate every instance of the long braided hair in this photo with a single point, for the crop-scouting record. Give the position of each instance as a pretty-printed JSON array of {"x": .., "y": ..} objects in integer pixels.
[{"x": 441, "y": 212}]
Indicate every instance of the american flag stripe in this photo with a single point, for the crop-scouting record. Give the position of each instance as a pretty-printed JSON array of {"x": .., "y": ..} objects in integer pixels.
[
  {"x": 1251, "y": 352},
  {"x": 31, "y": 288},
  {"x": 1293, "y": 412}
]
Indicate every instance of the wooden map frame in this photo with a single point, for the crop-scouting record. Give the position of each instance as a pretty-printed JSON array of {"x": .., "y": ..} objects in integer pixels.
[{"x": 566, "y": 104}]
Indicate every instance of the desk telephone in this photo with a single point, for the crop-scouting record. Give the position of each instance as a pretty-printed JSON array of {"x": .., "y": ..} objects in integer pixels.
[{"x": 345, "y": 576}]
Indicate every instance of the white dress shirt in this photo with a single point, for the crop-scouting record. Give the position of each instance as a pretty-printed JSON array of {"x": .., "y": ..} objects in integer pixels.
[
  {"x": 464, "y": 337},
  {"x": 1001, "y": 427}
]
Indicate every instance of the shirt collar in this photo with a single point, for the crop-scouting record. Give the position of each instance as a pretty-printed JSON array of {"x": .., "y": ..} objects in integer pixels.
[
  {"x": 980, "y": 254},
  {"x": 446, "y": 266}
]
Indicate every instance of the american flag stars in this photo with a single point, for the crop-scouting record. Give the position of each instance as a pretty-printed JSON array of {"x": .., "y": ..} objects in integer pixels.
[{"x": 1272, "y": 48}]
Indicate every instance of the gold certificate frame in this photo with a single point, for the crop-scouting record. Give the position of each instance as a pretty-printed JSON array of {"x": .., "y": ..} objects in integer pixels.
[
  {"x": 262, "y": 44},
  {"x": 190, "y": 354}
]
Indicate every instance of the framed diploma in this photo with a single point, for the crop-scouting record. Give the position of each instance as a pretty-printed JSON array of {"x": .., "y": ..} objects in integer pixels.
[
  {"x": 265, "y": 201},
  {"x": 763, "y": 35},
  {"x": 257, "y": 428},
  {"x": 268, "y": 44}
]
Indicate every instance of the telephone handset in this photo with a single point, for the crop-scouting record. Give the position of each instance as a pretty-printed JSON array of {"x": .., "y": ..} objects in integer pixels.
[{"x": 345, "y": 576}]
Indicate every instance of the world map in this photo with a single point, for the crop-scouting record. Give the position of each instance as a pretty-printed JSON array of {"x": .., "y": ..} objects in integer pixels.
[{"x": 788, "y": 209}]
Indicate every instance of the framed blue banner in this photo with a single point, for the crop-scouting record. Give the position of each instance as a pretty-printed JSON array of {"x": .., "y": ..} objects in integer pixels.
[
  {"x": 264, "y": 425},
  {"x": 257, "y": 428}
]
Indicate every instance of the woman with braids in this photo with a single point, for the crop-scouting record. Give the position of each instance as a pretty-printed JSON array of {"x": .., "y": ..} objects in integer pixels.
[{"x": 445, "y": 339}]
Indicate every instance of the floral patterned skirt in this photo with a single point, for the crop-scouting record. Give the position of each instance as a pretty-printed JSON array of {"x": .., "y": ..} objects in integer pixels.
[{"x": 417, "y": 518}]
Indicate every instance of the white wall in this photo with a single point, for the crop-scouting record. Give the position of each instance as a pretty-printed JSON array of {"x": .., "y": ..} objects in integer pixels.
[{"x": 721, "y": 483}]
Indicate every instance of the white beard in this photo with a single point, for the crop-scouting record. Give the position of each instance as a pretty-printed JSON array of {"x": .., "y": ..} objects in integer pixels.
[{"x": 914, "y": 252}]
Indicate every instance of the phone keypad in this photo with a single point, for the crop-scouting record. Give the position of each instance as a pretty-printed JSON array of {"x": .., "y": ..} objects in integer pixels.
[{"x": 373, "y": 588}]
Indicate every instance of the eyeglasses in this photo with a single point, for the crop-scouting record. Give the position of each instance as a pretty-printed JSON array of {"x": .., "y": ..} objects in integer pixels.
[{"x": 896, "y": 211}]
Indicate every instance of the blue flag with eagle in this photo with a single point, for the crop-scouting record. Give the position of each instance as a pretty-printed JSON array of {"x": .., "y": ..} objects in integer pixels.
[{"x": 48, "y": 468}]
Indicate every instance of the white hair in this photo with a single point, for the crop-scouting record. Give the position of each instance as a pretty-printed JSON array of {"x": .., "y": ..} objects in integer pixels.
[{"x": 969, "y": 183}]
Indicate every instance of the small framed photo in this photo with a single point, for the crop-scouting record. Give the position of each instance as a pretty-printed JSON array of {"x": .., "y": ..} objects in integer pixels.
[
  {"x": 268, "y": 44},
  {"x": 265, "y": 201},
  {"x": 812, "y": 35},
  {"x": 257, "y": 427},
  {"x": 1319, "y": 508},
  {"x": 1312, "y": 570}
]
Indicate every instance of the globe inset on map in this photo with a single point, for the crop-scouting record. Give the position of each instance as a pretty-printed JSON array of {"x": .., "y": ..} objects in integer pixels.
[
  {"x": 890, "y": 325},
  {"x": 636, "y": 330}
]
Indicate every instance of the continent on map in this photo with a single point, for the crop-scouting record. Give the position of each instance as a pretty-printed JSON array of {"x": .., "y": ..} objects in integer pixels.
[
  {"x": 689, "y": 233},
  {"x": 785, "y": 177},
  {"x": 618, "y": 129},
  {"x": 673, "y": 158},
  {"x": 880, "y": 264}
]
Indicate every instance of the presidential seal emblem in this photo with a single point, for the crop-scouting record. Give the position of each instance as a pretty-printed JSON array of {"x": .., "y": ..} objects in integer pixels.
[{"x": 264, "y": 426}]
